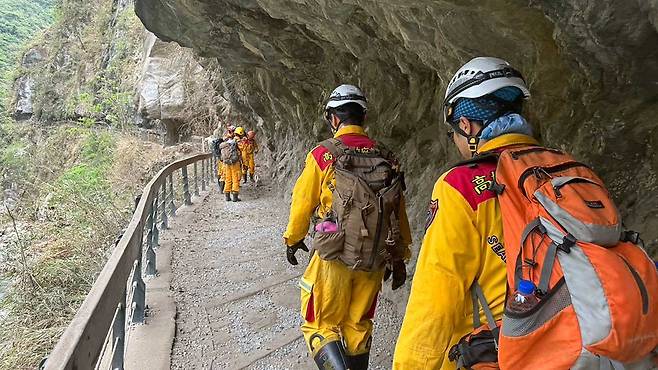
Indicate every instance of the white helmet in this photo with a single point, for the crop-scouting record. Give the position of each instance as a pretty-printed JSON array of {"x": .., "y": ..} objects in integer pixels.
[
  {"x": 479, "y": 77},
  {"x": 344, "y": 94}
]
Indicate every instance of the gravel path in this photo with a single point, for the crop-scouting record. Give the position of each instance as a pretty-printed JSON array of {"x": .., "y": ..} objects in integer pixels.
[{"x": 237, "y": 298}]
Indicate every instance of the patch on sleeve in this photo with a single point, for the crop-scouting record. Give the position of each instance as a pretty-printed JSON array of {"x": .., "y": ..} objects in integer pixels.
[
  {"x": 322, "y": 157},
  {"x": 473, "y": 183},
  {"x": 432, "y": 210}
]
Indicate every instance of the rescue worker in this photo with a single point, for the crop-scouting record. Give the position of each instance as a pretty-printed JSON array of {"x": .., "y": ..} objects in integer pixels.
[
  {"x": 249, "y": 147},
  {"x": 231, "y": 167},
  {"x": 239, "y": 132},
  {"x": 239, "y": 138},
  {"x": 230, "y": 131},
  {"x": 216, "y": 153},
  {"x": 464, "y": 232},
  {"x": 338, "y": 302}
]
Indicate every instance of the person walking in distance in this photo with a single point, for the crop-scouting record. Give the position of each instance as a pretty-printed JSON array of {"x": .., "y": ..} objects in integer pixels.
[
  {"x": 230, "y": 130},
  {"x": 231, "y": 167},
  {"x": 249, "y": 147}
]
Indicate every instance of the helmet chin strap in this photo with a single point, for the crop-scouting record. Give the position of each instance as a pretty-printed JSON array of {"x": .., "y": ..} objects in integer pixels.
[
  {"x": 331, "y": 127},
  {"x": 472, "y": 140}
]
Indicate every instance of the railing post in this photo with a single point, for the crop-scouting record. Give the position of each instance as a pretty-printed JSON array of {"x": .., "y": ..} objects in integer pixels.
[
  {"x": 150, "y": 226},
  {"x": 187, "y": 198},
  {"x": 163, "y": 205},
  {"x": 156, "y": 229},
  {"x": 196, "y": 180},
  {"x": 212, "y": 171},
  {"x": 118, "y": 337},
  {"x": 137, "y": 293},
  {"x": 172, "y": 206},
  {"x": 203, "y": 174}
]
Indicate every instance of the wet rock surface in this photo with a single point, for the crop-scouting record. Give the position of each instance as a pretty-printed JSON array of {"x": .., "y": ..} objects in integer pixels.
[
  {"x": 592, "y": 68},
  {"x": 238, "y": 299}
]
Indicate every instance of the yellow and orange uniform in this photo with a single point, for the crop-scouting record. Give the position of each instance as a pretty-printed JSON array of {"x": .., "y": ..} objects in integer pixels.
[
  {"x": 336, "y": 301},
  {"x": 462, "y": 244}
]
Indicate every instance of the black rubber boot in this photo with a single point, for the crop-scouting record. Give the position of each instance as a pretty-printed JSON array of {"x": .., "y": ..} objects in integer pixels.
[
  {"x": 359, "y": 362},
  {"x": 251, "y": 177},
  {"x": 221, "y": 185},
  {"x": 244, "y": 178},
  {"x": 331, "y": 356},
  {"x": 235, "y": 197},
  {"x": 228, "y": 197}
]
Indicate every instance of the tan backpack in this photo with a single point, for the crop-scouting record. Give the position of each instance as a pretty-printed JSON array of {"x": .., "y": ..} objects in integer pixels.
[
  {"x": 230, "y": 154},
  {"x": 365, "y": 208}
]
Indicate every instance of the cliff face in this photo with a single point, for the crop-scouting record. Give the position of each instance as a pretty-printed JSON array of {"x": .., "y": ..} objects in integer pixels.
[{"x": 592, "y": 68}]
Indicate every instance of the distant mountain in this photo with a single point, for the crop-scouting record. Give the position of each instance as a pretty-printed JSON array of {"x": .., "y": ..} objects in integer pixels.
[{"x": 19, "y": 21}]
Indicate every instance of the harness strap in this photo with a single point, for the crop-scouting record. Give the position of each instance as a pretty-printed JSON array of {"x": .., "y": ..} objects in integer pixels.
[
  {"x": 476, "y": 309},
  {"x": 478, "y": 296},
  {"x": 547, "y": 269}
]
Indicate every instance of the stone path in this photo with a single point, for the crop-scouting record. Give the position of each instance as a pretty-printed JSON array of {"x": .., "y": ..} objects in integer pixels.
[{"x": 237, "y": 298}]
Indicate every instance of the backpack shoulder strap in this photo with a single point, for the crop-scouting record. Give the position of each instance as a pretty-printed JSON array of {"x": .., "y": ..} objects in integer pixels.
[
  {"x": 334, "y": 146},
  {"x": 481, "y": 157},
  {"x": 478, "y": 298}
]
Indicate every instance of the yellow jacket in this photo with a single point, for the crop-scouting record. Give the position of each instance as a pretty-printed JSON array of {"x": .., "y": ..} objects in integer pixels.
[
  {"x": 462, "y": 243},
  {"x": 312, "y": 194},
  {"x": 248, "y": 147}
]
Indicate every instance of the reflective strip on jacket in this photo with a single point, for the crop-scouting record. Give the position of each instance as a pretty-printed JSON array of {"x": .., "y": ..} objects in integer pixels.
[
  {"x": 462, "y": 243},
  {"x": 311, "y": 194}
]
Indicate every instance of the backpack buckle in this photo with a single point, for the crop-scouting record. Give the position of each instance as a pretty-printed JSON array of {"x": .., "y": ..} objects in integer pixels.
[
  {"x": 567, "y": 242},
  {"x": 631, "y": 237},
  {"x": 496, "y": 187},
  {"x": 530, "y": 262}
]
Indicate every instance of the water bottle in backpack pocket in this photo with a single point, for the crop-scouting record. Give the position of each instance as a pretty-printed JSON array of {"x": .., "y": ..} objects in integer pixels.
[{"x": 523, "y": 300}]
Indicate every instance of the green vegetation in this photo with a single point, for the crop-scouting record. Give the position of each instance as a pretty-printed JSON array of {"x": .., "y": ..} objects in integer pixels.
[
  {"x": 20, "y": 20},
  {"x": 74, "y": 172},
  {"x": 89, "y": 74},
  {"x": 76, "y": 198},
  {"x": 50, "y": 280}
]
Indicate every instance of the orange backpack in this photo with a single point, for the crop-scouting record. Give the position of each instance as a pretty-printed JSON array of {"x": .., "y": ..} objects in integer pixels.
[{"x": 597, "y": 289}]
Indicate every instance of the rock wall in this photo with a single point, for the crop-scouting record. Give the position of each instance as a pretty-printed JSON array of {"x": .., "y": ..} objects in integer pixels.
[
  {"x": 592, "y": 68},
  {"x": 161, "y": 89}
]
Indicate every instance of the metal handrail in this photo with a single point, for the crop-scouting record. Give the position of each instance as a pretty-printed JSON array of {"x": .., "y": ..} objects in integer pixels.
[{"x": 117, "y": 298}]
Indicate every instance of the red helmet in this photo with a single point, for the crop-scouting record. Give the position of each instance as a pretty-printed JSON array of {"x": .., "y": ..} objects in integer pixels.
[{"x": 251, "y": 134}]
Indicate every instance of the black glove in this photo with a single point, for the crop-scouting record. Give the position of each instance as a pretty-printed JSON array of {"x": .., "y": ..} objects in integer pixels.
[
  {"x": 399, "y": 271},
  {"x": 290, "y": 252}
]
